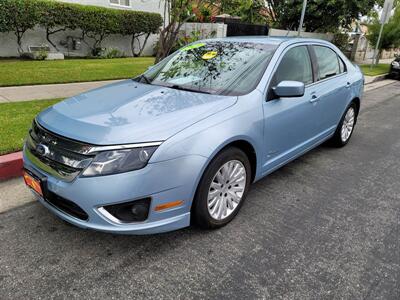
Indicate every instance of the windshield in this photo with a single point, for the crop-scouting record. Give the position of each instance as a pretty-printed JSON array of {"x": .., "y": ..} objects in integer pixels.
[{"x": 215, "y": 67}]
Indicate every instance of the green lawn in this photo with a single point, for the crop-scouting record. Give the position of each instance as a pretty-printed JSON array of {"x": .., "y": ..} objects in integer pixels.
[
  {"x": 15, "y": 121},
  {"x": 25, "y": 72},
  {"x": 379, "y": 69}
]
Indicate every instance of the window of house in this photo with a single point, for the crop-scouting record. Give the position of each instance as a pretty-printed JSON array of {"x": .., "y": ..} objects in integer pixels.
[{"x": 121, "y": 2}]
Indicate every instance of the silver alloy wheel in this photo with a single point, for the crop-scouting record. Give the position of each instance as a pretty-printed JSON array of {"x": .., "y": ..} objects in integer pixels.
[
  {"x": 348, "y": 125},
  {"x": 226, "y": 190}
]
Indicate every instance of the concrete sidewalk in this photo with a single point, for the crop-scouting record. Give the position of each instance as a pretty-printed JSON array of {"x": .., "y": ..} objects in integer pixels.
[
  {"x": 51, "y": 91},
  {"x": 47, "y": 91}
]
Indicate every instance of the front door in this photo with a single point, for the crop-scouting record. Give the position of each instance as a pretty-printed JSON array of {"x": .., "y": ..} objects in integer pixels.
[{"x": 290, "y": 124}]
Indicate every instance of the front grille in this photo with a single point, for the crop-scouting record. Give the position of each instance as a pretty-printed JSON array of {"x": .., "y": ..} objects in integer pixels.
[
  {"x": 66, "y": 206},
  {"x": 65, "y": 158}
]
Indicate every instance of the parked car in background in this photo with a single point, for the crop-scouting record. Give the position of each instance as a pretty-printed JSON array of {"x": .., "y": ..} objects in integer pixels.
[
  {"x": 183, "y": 142},
  {"x": 395, "y": 68}
]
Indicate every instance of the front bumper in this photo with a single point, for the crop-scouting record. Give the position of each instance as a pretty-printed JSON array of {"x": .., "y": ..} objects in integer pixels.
[{"x": 163, "y": 182}]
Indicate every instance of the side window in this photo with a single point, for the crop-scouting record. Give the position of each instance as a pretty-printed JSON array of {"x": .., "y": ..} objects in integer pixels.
[
  {"x": 295, "y": 66},
  {"x": 342, "y": 66},
  {"x": 328, "y": 62}
]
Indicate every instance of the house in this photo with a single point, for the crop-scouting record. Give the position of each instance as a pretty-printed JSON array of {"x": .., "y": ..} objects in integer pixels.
[{"x": 70, "y": 42}]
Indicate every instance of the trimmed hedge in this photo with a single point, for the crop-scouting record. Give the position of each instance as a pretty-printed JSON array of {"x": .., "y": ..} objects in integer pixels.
[{"x": 95, "y": 22}]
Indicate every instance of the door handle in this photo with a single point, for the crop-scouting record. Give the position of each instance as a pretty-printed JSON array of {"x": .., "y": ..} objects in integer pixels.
[
  {"x": 348, "y": 85},
  {"x": 314, "y": 99}
]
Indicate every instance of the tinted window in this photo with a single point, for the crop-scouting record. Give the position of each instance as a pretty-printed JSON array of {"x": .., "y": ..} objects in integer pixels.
[
  {"x": 295, "y": 66},
  {"x": 342, "y": 66},
  {"x": 217, "y": 67},
  {"x": 328, "y": 63}
]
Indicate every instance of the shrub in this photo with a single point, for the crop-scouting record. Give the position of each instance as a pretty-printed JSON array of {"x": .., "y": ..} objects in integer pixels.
[
  {"x": 57, "y": 16},
  {"x": 341, "y": 40},
  {"x": 133, "y": 24},
  {"x": 18, "y": 16},
  {"x": 95, "y": 22},
  {"x": 113, "y": 53}
]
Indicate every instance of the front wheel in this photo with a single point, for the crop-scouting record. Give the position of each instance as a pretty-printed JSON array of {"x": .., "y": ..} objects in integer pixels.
[
  {"x": 346, "y": 126},
  {"x": 222, "y": 189}
]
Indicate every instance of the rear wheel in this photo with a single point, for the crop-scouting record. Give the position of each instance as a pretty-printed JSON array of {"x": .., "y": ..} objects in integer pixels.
[
  {"x": 346, "y": 126},
  {"x": 222, "y": 189}
]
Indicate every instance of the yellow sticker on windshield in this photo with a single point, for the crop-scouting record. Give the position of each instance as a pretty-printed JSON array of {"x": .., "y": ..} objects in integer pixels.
[{"x": 209, "y": 55}]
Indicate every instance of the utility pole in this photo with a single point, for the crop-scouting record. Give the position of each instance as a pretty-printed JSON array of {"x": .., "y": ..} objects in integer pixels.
[
  {"x": 386, "y": 14},
  {"x": 303, "y": 12}
]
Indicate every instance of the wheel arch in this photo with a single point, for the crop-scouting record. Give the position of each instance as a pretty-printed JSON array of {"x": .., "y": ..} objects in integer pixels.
[{"x": 243, "y": 144}]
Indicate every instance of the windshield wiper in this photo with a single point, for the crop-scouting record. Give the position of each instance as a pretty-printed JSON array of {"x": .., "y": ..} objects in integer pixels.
[
  {"x": 144, "y": 77},
  {"x": 181, "y": 88}
]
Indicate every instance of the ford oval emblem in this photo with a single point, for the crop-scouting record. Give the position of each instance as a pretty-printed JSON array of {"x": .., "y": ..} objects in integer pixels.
[{"x": 42, "y": 150}]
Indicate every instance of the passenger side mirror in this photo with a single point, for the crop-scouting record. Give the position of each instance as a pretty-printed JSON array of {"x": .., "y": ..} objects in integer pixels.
[{"x": 287, "y": 89}]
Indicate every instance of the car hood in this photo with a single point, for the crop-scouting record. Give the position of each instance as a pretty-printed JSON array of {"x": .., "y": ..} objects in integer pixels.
[{"x": 130, "y": 112}]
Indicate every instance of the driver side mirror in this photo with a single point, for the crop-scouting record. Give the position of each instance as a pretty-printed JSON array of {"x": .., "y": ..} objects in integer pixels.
[{"x": 289, "y": 89}]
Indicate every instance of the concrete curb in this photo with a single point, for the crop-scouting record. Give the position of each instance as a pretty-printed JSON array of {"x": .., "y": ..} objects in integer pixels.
[
  {"x": 10, "y": 165},
  {"x": 372, "y": 79}
]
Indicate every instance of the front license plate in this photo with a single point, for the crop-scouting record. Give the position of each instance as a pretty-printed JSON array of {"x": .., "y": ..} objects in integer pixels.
[{"x": 33, "y": 183}]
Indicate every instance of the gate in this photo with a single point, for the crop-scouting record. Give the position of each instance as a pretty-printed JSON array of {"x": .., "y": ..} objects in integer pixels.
[{"x": 242, "y": 29}]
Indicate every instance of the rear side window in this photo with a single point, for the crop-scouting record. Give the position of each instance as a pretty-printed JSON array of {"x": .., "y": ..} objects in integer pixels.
[
  {"x": 342, "y": 66},
  {"x": 328, "y": 62},
  {"x": 295, "y": 66}
]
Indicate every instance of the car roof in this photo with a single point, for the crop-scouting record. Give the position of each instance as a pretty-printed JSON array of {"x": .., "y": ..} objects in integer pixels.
[{"x": 263, "y": 39}]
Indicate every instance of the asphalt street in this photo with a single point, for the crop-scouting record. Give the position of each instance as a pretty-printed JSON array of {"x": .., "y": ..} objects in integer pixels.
[{"x": 326, "y": 226}]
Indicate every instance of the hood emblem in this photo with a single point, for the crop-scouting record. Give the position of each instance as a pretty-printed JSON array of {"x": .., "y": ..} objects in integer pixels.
[{"x": 42, "y": 150}]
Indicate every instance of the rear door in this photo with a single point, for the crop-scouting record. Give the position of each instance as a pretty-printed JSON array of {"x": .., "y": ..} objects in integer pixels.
[
  {"x": 290, "y": 124},
  {"x": 332, "y": 87}
]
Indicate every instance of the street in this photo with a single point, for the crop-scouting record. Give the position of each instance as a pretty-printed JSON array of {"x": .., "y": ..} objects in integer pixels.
[{"x": 326, "y": 226}]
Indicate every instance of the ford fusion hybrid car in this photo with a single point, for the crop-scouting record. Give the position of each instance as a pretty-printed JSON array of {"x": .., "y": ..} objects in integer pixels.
[{"x": 183, "y": 142}]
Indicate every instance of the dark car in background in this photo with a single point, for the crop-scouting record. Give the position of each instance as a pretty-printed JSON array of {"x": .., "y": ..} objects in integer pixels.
[{"x": 395, "y": 68}]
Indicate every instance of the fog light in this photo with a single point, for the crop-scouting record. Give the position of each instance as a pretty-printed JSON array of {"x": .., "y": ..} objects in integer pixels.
[{"x": 128, "y": 212}]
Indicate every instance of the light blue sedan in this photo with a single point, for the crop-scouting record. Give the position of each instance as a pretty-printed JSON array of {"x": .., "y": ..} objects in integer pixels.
[{"x": 182, "y": 143}]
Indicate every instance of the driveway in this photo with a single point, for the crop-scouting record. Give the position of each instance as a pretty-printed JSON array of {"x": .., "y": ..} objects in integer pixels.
[{"x": 326, "y": 226}]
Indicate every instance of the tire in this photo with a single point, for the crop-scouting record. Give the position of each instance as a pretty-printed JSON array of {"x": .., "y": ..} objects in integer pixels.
[
  {"x": 346, "y": 126},
  {"x": 213, "y": 198}
]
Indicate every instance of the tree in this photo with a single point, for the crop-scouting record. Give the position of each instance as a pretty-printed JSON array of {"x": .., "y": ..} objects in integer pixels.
[
  {"x": 18, "y": 16},
  {"x": 56, "y": 17},
  {"x": 321, "y": 15},
  {"x": 132, "y": 24},
  {"x": 250, "y": 11},
  {"x": 177, "y": 12},
  {"x": 97, "y": 23},
  {"x": 390, "y": 35}
]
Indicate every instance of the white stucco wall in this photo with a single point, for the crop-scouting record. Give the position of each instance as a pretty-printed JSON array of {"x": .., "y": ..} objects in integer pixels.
[
  {"x": 37, "y": 37},
  {"x": 314, "y": 35}
]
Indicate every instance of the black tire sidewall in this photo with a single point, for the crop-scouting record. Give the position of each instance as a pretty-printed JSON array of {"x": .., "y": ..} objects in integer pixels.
[
  {"x": 337, "y": 138},
  {"x": 201, "y": 215}
]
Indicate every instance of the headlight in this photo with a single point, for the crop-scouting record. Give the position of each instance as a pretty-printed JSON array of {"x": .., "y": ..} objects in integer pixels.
[
  {"x": 119, "y": 161},
  {"x": 395, "y": 64}
]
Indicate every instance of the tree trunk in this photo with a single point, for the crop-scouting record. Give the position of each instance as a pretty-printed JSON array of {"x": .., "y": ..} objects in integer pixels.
[
  {"x": 144, "y": 44},
  {"x": 19, "y": 35},
  {"x": 49, "y": 32}
]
